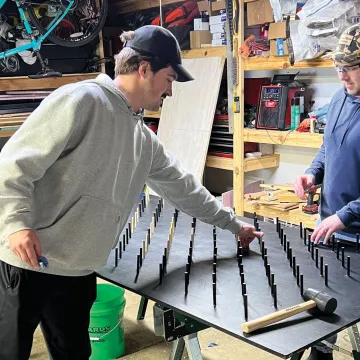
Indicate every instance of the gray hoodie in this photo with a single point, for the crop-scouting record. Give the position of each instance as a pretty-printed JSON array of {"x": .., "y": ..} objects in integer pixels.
[{"x": 74, "y": 170}]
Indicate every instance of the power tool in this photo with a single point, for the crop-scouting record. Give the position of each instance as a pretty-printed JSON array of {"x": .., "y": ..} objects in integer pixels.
[{"x": 311, "y": 206}]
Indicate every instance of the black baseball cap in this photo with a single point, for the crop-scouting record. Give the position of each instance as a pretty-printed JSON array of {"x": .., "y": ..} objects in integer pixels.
[{"x": 160, "y": 42}]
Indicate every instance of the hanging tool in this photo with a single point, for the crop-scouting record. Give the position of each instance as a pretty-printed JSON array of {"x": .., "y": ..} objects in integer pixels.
[{"x": 236, "y": 17}]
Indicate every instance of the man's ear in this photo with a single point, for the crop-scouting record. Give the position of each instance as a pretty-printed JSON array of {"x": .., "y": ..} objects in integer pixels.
[{"x": 144, "y": 69}]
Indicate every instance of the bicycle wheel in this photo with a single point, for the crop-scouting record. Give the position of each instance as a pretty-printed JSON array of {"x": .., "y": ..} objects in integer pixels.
[{"x": 78, "y": 33}]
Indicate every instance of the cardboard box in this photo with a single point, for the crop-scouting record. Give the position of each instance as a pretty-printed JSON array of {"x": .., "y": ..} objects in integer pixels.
[
  {"x": 197, "y": 38},
  {"x": 200, "y": 24},
  {"x": 218, "y": 19},
  {"x": 220, "y": 42},
  {"x": 204, "y": 6},
  {"x": 217, "y": 28},
  {"x": 212, "y": 7},
  {"x": 218, "y": 5},
  {"x": 277, "y": 31},
  {"x": 218, "y": 36},
  {"x": 259, "y": 12},
  {"x": 278, "y": 47}
]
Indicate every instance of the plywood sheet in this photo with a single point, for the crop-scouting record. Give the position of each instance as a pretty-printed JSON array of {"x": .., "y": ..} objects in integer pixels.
[{"x": 187, "y": 117}]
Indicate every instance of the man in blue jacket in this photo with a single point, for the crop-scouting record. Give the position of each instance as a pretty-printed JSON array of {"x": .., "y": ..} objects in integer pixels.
[{"x": 335, "y": 166}]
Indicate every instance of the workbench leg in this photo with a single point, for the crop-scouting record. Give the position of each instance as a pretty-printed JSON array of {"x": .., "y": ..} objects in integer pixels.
[
  {"x": 177, "y": 349},
  {"x": 354, "y": 336},
  {"x": 142, "y": 308},
  {"x": 193, "y": 347}
]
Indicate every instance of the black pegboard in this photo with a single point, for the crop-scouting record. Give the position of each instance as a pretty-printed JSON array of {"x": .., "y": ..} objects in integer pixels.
[{"x": 284, "y": 338}]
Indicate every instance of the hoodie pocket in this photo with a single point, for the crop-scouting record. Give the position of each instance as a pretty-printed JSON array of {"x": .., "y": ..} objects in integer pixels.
[{"x": 84, "y": 236}]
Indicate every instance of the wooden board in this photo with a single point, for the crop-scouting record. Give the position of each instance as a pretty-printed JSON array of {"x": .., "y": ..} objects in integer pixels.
[
  {"x": 264, "y": 162},
  {"x": 187, "y": 117},
  {"x": 290, "y": 197},
  {"x": 219, "y": 162},
  {"x": 291, "y": 138},
  {"x": 257, "y": 63},
  {"x": 204, "y": 52},
  {"x": 25, "y": 83}
]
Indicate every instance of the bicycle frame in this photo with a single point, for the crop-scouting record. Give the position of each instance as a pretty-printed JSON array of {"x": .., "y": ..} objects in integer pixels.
[{"x": 35, "y": 42}]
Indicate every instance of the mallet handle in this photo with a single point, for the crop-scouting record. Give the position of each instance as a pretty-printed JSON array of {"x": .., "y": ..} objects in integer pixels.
[{"x": 277, "y": 316}]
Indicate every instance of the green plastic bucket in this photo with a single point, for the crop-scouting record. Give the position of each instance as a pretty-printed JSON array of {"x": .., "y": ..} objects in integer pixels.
[{"x": 106, "y": 327}]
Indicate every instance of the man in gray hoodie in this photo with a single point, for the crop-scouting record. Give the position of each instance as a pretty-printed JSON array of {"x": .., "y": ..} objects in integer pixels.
[{"x": 70, "y": 177}]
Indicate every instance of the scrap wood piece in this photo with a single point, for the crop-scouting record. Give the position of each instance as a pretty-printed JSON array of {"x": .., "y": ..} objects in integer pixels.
[
  {"x": 12, "y": 124},
  {"x": 14, "y": 115},
  {"x": 268, "y": 198},
  {"x": 273, "y": 202},
  {"x": 255, "y": 195},
  {"x": 272, "y": 195},
  {"x": 290, "y": 197},
  {"x": 288, "y": 187},
  {"x": 287, "y": 206}
]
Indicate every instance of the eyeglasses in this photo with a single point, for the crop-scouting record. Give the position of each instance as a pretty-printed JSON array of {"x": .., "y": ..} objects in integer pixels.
[{"x": 346, "y": 69}]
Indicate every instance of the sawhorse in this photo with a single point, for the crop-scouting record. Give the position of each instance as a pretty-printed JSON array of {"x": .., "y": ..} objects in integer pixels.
[
  {"x": 182, "y": 331},
  {"x": 176, "y": 328}
]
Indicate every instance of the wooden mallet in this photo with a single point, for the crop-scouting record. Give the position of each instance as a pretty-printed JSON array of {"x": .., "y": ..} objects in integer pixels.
[{"x": 314, "y": 299}]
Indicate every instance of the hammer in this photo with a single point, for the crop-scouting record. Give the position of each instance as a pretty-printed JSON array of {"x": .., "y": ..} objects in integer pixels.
[{"x": 319, "y": 299}]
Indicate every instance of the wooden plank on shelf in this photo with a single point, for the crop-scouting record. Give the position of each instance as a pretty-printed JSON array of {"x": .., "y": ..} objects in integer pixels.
[
  {"x": 292, "y": 216},
  {"x": 8, "y": 117},
  {"x": 16, "y": 122},
  {"x": 292, "y": 138},
  {"x": 219, "y": 162},
  {"x": 125, "y": 6},
  {"x": 282, "y": 62},
  {"x": 204, "y": 52},
  {"x": 5, "y": 133},
  {"x": 13, "y": 120},
  {"x": 25, "y": 83},
  {"x": 186, "y": 118},
  {"x": 264, "y": 162}
]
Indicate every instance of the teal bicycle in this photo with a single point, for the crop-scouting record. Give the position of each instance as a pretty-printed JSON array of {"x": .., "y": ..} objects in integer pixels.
[{"x": 69, "y": 23}]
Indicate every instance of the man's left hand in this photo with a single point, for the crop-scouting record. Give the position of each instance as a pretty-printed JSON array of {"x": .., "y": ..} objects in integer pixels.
[
  {"x": 247, "y": 234},
  {"x": 326, "y": 228}
]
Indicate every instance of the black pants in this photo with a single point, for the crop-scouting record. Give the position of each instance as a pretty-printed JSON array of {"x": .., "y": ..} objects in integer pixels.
[
  {"x": 61, "y": 304},
  {"x": 349, "y": 247}
]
